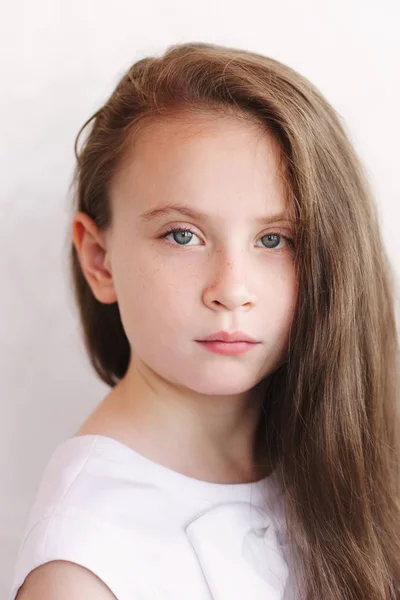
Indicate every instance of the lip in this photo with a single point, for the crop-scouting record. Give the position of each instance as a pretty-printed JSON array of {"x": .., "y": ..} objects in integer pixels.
[
  {"x": 218, "y": 347},
  {"x": 225, "y": 336}
]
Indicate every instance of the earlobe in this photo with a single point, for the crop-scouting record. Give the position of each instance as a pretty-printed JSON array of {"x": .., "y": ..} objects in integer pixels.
[{"x": 93, "y": 258}]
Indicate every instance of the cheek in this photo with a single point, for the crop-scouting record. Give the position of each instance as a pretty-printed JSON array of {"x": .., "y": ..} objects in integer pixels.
[
  {"x": 281, "y": 302},
  {"x": 154, "y": 300}
]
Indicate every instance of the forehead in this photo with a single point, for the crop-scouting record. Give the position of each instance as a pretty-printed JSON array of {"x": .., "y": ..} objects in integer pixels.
[
  {"x": 208, "y": 131},
  {"x": 207, "y": 160}
]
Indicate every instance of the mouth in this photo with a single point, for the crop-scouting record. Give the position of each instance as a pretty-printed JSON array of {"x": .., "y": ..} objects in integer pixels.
[
  {"x": 229, "y": 338},
  {"x": 221, "y": 347}
]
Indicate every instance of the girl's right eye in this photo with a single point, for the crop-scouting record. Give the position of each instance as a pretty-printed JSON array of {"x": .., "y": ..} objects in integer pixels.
[{"x": 182, "y": 237}]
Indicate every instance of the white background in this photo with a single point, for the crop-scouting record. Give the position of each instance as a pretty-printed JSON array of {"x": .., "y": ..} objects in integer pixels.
[{"x": 58, "y": 62}]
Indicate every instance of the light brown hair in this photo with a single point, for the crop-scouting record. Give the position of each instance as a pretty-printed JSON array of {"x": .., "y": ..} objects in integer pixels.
[{"x": 330, "y": 417}]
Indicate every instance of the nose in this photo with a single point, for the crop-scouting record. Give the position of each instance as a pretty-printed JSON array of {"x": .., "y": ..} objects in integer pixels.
[{"x": 229, "y": 287}]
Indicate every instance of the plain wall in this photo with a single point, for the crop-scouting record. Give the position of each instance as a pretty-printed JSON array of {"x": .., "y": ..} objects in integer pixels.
[{"x": 59, "y": 62}]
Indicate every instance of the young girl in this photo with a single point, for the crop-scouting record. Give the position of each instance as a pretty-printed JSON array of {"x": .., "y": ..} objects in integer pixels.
[{"x": 235, "y": 294}]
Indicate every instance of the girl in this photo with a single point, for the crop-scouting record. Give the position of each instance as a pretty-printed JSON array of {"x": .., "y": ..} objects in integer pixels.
[{"x": 235, "y": 294}]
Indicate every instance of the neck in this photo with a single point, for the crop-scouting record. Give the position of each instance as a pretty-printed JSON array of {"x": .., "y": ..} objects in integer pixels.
[{"x": 212, "y": 438}]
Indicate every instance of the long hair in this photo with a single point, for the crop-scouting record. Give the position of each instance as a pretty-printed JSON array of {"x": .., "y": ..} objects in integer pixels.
[{"x": 330, "y": 416}]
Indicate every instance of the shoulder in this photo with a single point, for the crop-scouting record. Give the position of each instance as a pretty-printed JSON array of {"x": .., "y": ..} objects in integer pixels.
[
  {"x": 92, "y": 511},
  {"x": 71, "y": 550},
  {"x": 59, "y": 580}
]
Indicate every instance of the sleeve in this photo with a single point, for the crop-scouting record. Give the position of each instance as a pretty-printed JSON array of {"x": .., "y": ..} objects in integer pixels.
[{"x": 76, "y": 536}]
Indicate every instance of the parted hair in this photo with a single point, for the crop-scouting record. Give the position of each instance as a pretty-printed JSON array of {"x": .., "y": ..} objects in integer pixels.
[{"x": 330, "y": 417}]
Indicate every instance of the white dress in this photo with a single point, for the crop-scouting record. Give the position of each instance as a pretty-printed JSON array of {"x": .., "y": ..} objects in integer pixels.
[{"x": 149, "y": 532}]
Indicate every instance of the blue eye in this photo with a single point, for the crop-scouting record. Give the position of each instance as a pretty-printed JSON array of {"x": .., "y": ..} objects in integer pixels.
[
  {"x": 186, "y": 237},
  {"x": 277, "y": 235}
]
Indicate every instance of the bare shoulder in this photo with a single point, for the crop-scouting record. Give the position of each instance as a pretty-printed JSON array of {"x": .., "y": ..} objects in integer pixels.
[
  {"x": 63, "y": 580},
  {"x": 106, "y": 419}
]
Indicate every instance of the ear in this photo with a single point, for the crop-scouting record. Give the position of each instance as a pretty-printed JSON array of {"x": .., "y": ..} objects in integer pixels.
[{"x": 89, "y": 242}]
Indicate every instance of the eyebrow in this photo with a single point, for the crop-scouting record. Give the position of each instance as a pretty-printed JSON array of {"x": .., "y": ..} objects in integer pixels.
[{"x": 169, "y": 209}]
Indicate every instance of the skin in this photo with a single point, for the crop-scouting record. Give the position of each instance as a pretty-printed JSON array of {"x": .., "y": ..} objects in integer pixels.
[{"x": 180, "y": 405}]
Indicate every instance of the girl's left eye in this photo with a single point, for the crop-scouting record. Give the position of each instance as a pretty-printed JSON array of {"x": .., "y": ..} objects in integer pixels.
[{"x": 187, "y": 234}]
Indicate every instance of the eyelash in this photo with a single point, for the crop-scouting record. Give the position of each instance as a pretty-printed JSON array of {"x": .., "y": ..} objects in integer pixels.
[{"x": 187, "y": 229}]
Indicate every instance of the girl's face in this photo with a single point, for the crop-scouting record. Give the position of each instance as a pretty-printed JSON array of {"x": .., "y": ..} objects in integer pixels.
[{"x": 231, "y": 272}]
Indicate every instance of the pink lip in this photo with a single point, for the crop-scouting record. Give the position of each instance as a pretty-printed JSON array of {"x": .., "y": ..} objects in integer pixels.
[
  {"x": 225, "y": 336},
  {"x": 219, "y": 347}
]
